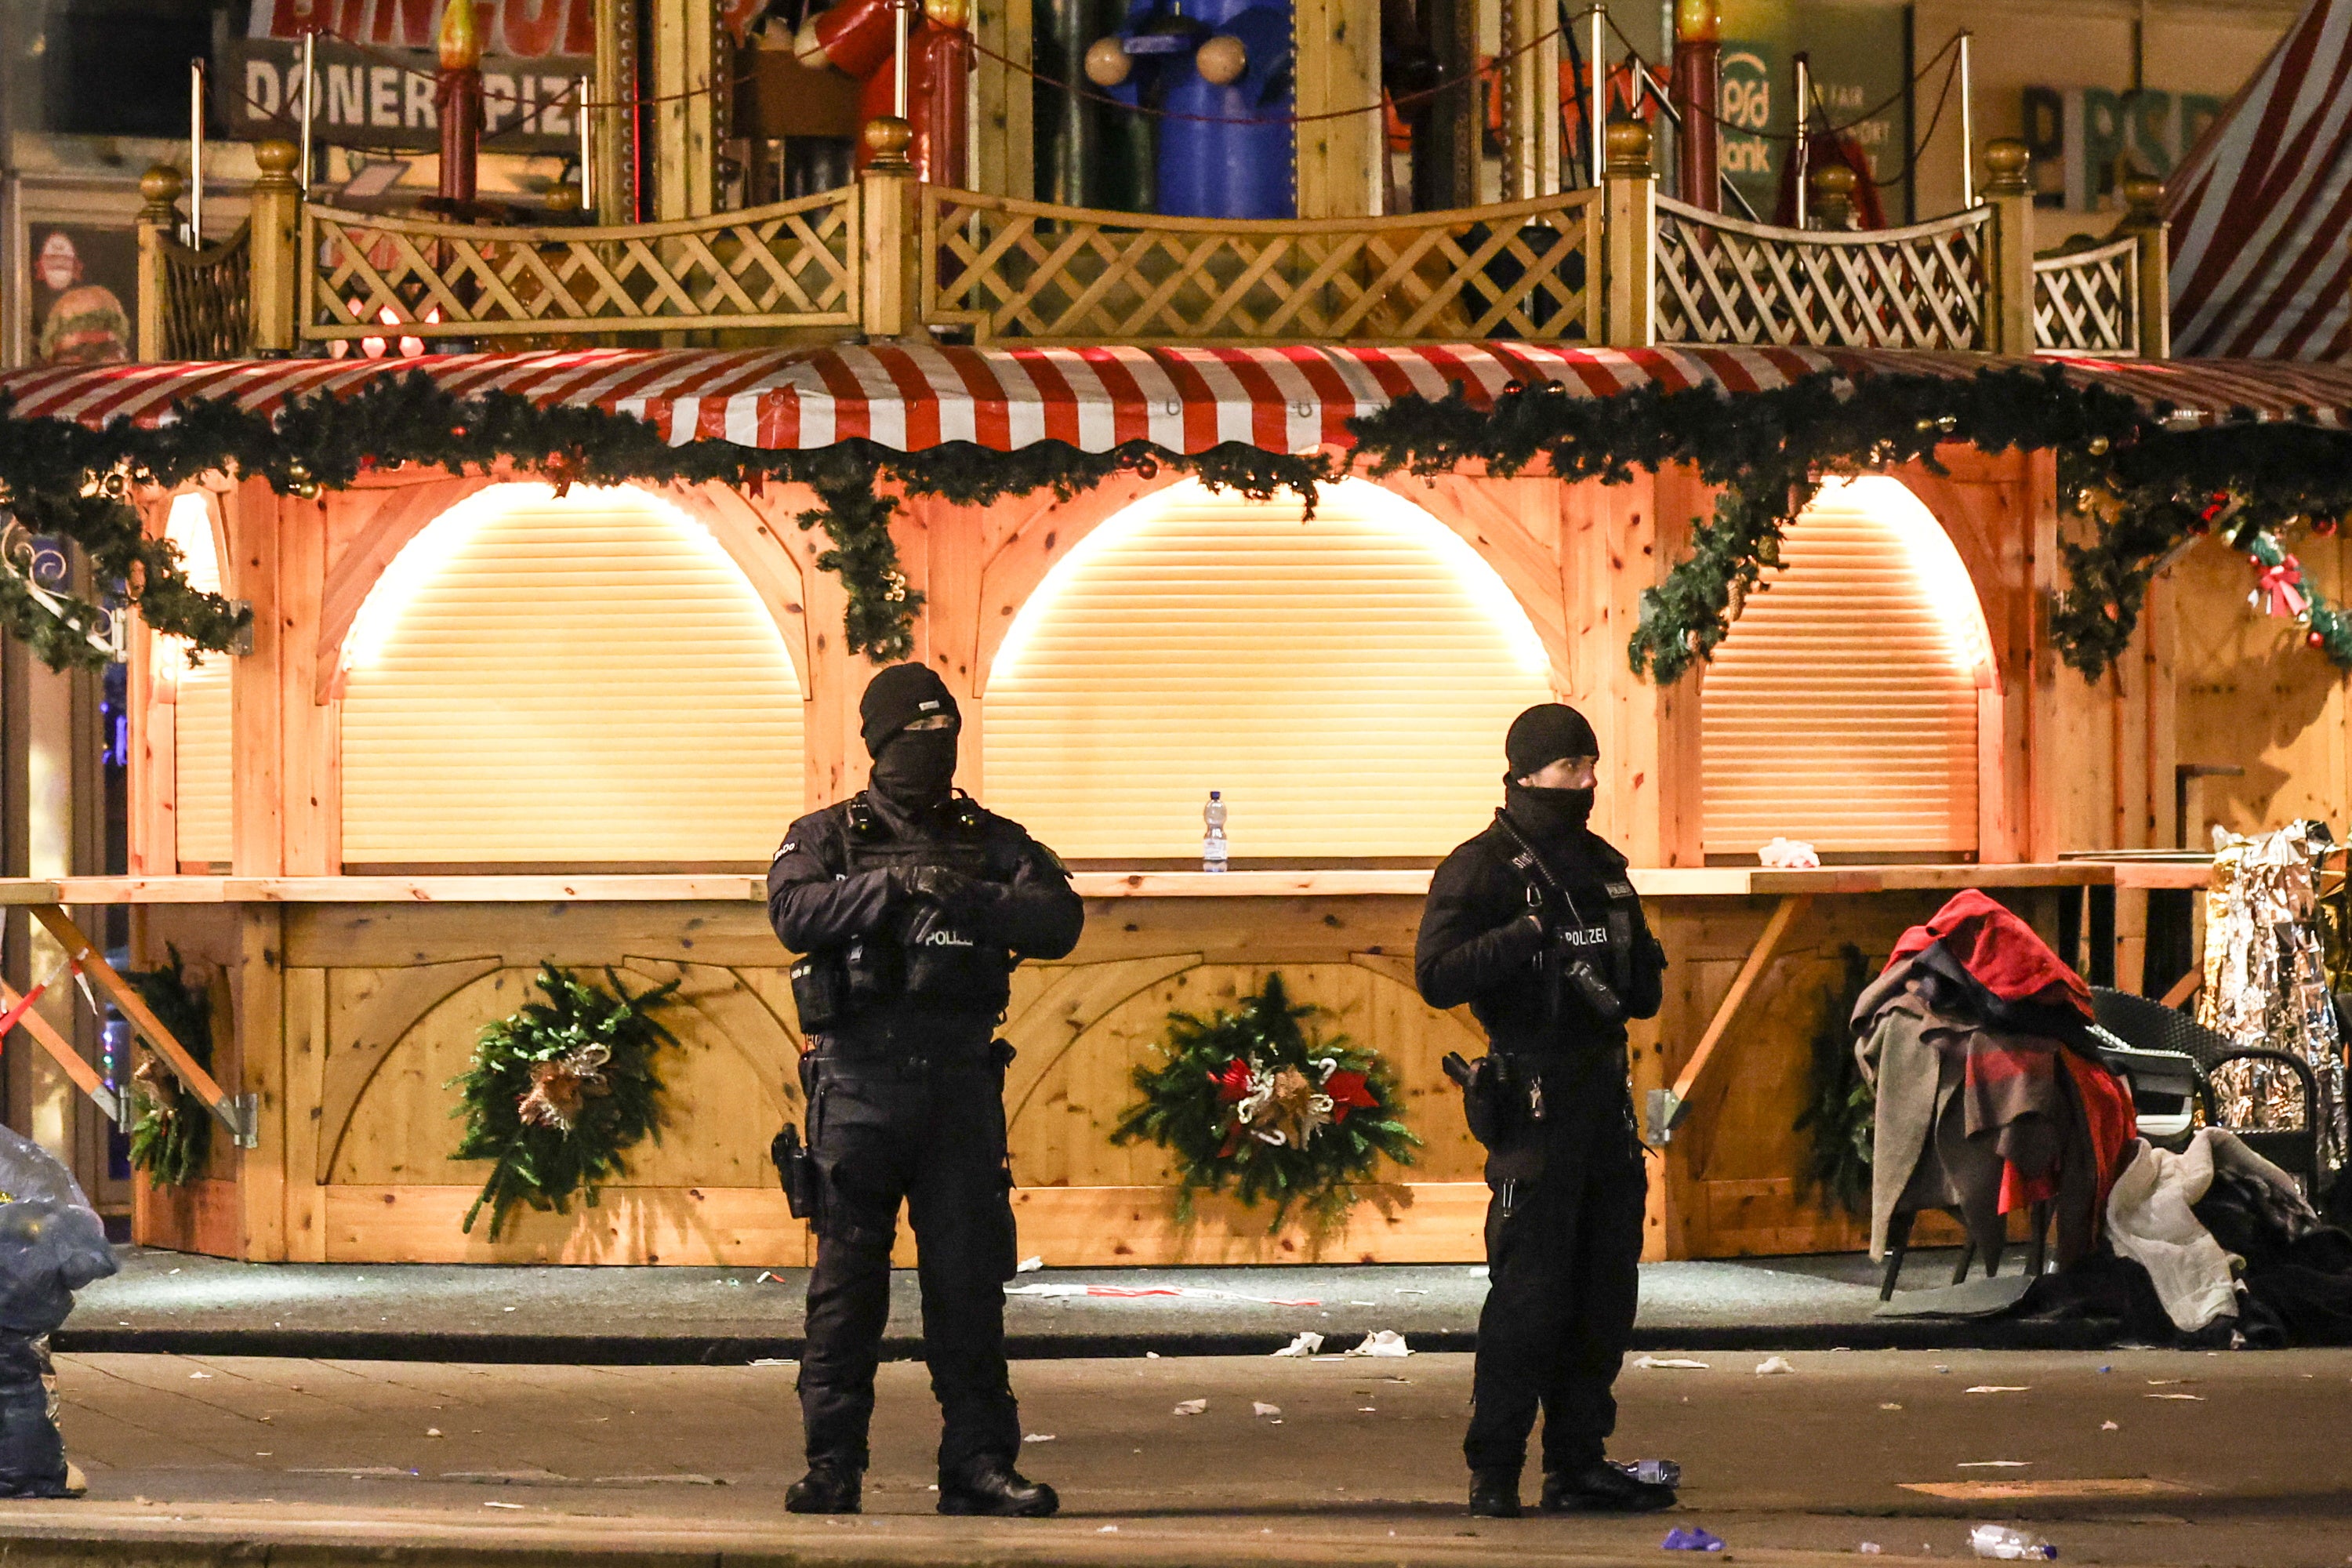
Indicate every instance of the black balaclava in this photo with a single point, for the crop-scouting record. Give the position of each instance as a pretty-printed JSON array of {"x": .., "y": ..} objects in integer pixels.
[
  {"x": 1539, "y": 738},
  {"x": 914, "y": 770}
]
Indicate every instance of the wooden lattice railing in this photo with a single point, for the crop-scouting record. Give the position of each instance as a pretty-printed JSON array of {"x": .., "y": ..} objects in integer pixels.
[
  {"x": 2087, "y": 301},
  {"x": 1034, "y": 272},
  {"x": 794, "y": 264},
  {"x": 1720, "y": 280},
  {"x": 207, "y": 292}
]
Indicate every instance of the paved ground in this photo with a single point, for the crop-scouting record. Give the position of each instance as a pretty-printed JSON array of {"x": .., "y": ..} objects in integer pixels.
[
  {"x": 169, "y": 1302},
  {"x": 2151, "y": 1458}
]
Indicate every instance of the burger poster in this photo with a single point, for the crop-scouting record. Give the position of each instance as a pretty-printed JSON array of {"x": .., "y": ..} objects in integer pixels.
[{"x": 81, "y": 275}]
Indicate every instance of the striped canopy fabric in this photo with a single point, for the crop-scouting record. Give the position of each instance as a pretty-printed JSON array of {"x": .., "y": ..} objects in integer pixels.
[
  {"x": 1285, "y": 399},
  {"x": 2261, "y": 208}
]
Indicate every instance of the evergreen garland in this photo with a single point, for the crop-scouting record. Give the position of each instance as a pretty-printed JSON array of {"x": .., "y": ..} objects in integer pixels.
[
  {"x": 1841, "y": 1112},
  {"x": 560, "y": 1091},
  {"x": 64, "y": 479},
  {"x": 2143, "y": 487},
  {"x": 1250, "y": 1100},
  {"x": 170, "y": 1130}
]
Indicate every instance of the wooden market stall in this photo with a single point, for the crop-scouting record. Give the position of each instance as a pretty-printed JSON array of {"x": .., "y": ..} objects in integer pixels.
[
  {"x": 483, "y": 725},
  {"x": 491, "y": 715}
]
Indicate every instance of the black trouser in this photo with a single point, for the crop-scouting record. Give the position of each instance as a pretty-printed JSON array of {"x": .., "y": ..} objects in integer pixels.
[
  {"x": 1563, "y": 1275},
  {"x": 931, "y": 1134}
]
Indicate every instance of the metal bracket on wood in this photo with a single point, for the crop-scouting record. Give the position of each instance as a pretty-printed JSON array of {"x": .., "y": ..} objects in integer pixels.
[
  {"x": 1666, "y": 1107},
  {"x": 240, "y": 1114}
]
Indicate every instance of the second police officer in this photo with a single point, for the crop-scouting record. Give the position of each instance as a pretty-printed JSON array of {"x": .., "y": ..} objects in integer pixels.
[
  {"x": 913, "y": 905},
  {"x": 1534, "y": 925}
]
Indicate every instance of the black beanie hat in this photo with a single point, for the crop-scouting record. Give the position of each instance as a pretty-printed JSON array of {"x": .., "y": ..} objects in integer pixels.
[
  {"x": 1543, "y": 735},
  {"x": 899, "y": 696}
]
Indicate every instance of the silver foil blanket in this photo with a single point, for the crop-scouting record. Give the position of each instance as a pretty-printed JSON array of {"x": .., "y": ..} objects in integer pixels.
[{"x": 2266, "y": 985}]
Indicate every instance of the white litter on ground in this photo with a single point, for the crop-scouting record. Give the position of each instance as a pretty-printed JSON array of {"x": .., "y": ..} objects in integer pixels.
[
  {"x": 1385, "y": 1343},
  {"x": 1155, "y": 1293},
  {"x": 1992, "y": 1464},
  {"x": 1029, "y": 1266},
  {"x": 1305, "y": 1345},
  {"x": 1260, "y": 1407},
  {"x": 1773, "y": 1366},
  {"x": 1191, "y": 1406},
  {"x": 1668, "y": 1364},
  {"x": 2000, "y": 1388},
  {"x": 1037, "y": 1437}
]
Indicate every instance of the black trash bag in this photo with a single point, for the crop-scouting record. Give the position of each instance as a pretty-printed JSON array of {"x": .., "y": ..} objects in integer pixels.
[
  {"x": 52, "y": 1243},
  {"x": 32, "y": 1449}
]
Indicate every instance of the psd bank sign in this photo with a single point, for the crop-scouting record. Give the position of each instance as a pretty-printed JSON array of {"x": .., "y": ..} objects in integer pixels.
[
  {"x": 2086, "y": 140},
  {"x": 376, "y": 65}
]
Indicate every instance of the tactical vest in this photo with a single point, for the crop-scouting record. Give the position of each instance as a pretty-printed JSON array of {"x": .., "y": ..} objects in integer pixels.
[
  {"x": 1602, "y": 936},
  {"x": 928, "y": 959}
]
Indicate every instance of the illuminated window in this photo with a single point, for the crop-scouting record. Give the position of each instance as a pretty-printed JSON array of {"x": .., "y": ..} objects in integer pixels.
[
  {"x": 578, "y": 680},
  {"x": 1841, "y": 709},
  {"x": 1346, "y": 682},
  {"x": 200, "y": 707}
]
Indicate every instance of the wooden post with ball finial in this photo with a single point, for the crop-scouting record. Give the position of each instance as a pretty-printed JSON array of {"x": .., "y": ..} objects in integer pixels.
[
  {"x": 889, "y": 306},
  {"x": 159, "y": 220},
  {"x": 274, "y": 283},
  {"x": 2144, "y": 195},
  {"x": 2009, "y": 312},
  {"x": 1629, "y": 226}
]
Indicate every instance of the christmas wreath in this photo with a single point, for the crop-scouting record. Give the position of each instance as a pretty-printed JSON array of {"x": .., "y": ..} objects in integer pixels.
[
  {"x": 1252, "y": 1100},
  {"x": 171, "y": 1133},
  {"x": 1841, "y": 1115},
  {"x": 560, "y": 1091}
]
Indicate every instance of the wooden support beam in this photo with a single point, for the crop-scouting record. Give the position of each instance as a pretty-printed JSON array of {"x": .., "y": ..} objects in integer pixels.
[
  {"x": 76, "y": 1065},
  {"x": 236, "y": 1113},
  {"x": 1666, "y": 1106}
]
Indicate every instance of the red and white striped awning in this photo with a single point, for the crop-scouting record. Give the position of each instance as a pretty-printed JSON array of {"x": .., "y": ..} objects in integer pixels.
[
  {"x": 2261, "y": 207},
  {"x": 1284, "y": 399}
]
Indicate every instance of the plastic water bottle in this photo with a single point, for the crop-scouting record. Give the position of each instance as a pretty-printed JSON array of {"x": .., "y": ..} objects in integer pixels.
[
  {"x": 2010, "y": 1545},
  {"x": 1212, "y": 843}
]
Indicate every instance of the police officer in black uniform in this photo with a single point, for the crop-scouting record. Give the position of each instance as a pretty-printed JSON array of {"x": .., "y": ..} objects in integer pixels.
[
  {"x": 1533, "y": 924},
  {"x": 912, "y": 905}
]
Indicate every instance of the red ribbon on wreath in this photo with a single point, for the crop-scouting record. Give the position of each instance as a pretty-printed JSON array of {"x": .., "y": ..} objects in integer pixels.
[
  {"x": 2279, "y": 588},
  {"x": 1232, "y": 1084},
  {"x": 1348, "y": 1093}
]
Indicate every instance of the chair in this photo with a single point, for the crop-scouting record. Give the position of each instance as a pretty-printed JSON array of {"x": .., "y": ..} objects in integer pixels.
[
  {"x": 2166, "y": 1086},
  {"x": 2149, "y": 1026}
]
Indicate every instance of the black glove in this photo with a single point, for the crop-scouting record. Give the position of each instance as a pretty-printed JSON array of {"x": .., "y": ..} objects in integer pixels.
[{"x": 936, "y": 885}]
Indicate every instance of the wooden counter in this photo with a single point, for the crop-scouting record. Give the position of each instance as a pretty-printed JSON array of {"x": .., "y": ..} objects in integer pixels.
[{"x": 346, "y": 1003}]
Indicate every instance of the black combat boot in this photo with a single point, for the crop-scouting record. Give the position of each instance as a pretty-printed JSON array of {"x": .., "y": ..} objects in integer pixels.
[
  {"x": 1602, "y": 1488},
  {"x": 827, "y": 1489},
  {"x": 999, "y": 1491},
  {"x": 1494, "y": 1494}
]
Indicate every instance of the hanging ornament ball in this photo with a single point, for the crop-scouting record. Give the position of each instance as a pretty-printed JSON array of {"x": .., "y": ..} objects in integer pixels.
[
  {"x": 1222, "y": 61},
  {"x": 948, "y": 13},
  {"x": 2323, "y": 526},
  {"x": 2098, "y": 446},
  {"x": 2316, "y": 638},
  {"x": 1107, "y": 64}
]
